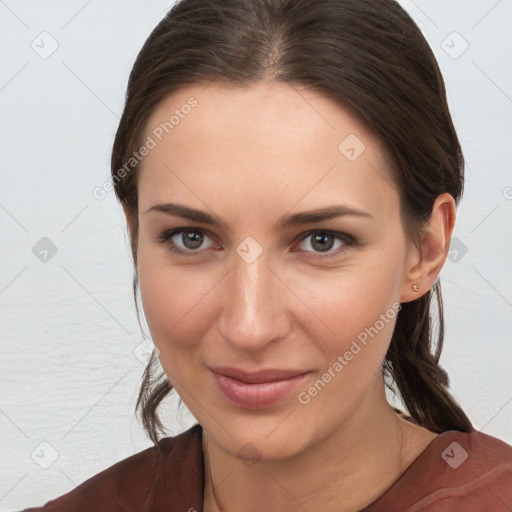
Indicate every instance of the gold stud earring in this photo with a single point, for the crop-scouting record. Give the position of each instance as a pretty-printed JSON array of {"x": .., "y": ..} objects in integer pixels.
[{"x": 415, "y": 287}]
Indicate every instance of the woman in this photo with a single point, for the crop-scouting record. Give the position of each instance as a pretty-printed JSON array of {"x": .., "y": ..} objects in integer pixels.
[{"x": 290, "y": 173}]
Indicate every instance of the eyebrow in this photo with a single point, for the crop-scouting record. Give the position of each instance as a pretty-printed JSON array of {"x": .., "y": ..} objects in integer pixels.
[{"x": 284, "y": 222}]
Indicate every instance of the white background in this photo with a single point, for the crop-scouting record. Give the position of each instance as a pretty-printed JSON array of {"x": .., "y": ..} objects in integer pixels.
[{"x": 68, "y": 331}]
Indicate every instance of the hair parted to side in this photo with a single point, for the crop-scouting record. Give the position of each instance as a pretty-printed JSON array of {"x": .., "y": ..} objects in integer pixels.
[{"x": 370, "y": 57}]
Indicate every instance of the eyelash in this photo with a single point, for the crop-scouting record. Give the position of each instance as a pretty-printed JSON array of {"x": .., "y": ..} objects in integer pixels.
[{"x": 348, "y": 241}]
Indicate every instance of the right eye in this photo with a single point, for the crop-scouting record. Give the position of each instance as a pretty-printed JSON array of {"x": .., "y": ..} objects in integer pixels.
[{"x": 184, "y": 241}]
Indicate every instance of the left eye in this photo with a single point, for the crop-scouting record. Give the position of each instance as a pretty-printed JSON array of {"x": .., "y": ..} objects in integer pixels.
[{"x": 325, "y": 241}]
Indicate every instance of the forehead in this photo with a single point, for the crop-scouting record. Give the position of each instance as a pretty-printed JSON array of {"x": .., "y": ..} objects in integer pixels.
[{"x": 267, "y": 141}]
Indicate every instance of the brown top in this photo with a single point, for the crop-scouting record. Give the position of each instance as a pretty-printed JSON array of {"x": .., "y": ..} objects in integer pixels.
[{"x": 455, "y": 472}]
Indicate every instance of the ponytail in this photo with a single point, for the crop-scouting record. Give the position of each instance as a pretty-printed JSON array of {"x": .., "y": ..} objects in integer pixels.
[{"x": 422, "y": 382}]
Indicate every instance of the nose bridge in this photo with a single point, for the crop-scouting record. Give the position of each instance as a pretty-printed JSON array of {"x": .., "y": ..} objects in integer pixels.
[{"x": 252, "y": 313}]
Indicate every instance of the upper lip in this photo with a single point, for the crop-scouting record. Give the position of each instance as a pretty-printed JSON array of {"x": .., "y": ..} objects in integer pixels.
[{"x": 257, "y": 377}]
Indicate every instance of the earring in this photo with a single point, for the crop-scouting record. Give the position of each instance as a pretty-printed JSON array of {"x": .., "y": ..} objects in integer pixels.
[{"x": 415, "y": 287}]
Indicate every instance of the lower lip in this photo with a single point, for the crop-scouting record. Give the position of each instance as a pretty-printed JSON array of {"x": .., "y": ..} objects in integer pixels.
[{"x": 256, "y": 396}]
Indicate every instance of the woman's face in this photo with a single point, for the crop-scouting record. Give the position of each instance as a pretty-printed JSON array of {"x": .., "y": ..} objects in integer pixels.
[{"x": 259, "y": 286}]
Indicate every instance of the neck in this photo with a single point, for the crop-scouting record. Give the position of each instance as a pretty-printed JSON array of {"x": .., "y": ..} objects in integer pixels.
[{"x": 345, "y": 471}]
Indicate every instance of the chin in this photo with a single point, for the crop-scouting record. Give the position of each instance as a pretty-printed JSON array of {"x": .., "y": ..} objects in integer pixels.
[{"x": 263, "y": 438}]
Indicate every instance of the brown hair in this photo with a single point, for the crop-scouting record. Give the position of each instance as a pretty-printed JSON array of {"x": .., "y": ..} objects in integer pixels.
[{"x": 370, "y": 57}]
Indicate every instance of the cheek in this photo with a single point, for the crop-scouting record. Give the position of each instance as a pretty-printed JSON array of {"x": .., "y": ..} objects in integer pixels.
[
  {"x": 352, "y": 316},
  {"x": 356, "y": 310},
  {"x": 355, "y": 295},
  {"x": 175, "y": 301},
  {"x": 361, "y": 324}
]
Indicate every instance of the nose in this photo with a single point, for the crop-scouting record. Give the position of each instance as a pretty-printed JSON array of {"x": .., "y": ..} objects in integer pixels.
[{"x": 254, "y": 305}]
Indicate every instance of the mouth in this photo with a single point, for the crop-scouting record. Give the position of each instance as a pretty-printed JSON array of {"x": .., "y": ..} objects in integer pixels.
[{"x": 257, "y": 390}]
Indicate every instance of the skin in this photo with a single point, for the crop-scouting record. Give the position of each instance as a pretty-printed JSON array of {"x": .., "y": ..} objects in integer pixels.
[{"x": 250, "y": 156}]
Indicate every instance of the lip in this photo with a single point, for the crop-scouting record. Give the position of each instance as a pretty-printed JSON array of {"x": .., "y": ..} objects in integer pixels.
[{"x": 256, "y": 390}]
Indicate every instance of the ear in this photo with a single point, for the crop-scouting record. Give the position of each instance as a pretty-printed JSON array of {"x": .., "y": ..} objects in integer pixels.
[{"x": 424, "y": 266}]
